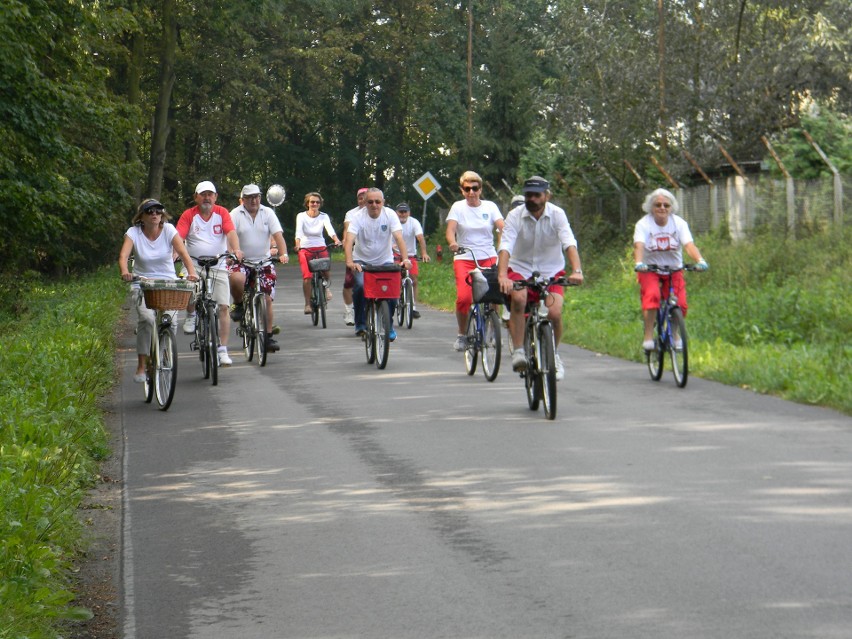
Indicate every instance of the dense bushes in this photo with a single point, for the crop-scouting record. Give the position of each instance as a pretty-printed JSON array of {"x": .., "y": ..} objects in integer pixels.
[{"x": 56, "y": 354}]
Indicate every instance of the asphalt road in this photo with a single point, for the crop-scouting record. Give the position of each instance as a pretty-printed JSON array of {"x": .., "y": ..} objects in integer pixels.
[{"x": 319, "y": 497}]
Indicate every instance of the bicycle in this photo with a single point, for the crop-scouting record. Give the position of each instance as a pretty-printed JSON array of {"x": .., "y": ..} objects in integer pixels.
[
  {"x": 405, "y": 304},
  {"x": 539, "y": 345},
  {"x": 319, "y": 284},
  {"x": 381, "y": 284},
  {"x": 252, "y": 325},
  {"x": 669, "y": 330},
  {"x": 162, "y": 296},
  {"x": 206, "y": 340},
  {"x": 483, "y": 338}
]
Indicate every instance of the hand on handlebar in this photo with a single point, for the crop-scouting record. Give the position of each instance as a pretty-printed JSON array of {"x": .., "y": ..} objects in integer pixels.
[{"x": 641, "y": 267}]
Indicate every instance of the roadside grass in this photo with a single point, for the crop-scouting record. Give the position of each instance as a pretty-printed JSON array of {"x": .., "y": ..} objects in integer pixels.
[
  {"x": 773, "y": 314},
  {"x": 56, "y": 352}
]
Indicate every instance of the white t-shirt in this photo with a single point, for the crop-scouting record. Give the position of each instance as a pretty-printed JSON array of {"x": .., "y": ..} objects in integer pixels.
[
  {"x": 255, "y": 233},
  {"x": 206, "y": 237},
  {"x": 351, "y": 213},
  {"x": 410, "y": 230},
  {"x": 153, "y": 260},
  {"x": 537, "y": 245},
  {"x": 374, "y": 237},
  {"x": 309, "y": 229},
  {"x": 475, "y": 227},
  {"x": 663, "y": 244}
]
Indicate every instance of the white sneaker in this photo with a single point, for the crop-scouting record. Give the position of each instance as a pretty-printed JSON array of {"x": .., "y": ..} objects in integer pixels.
[
  {"x": 189, "y": 324},
  {"x": 460, "y": 343},
  {"x": 224, "y": 358},
  {"x": 648, "y": 345},
  {"x": 349, "y": 316},
  {"x": 519, "y": 360},
  {"x": 560, "y": 369}
]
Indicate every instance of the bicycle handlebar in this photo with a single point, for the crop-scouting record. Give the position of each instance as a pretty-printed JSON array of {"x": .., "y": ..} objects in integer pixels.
[
  {"x": 466, "y": 249},
  {"x": 207, "y": 261},
  {"x": 667, "y": 270},
  {"x": 539, "y": 283}
]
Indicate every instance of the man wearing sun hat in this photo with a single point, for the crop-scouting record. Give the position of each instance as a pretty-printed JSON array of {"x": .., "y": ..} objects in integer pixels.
[
  {"x": 207, "y": 229},
  {"x": 536, "y": 237}
]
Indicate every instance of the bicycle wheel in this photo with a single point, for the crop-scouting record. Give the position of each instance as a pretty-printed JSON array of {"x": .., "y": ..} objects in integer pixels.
[
  {"x": 400, "y": 308},
  {"x": 370, "y": 332},
  {"x": 471, "y": 345},
  {"x": 408, "y": 310},
  {"x": 315, "y": 293},
  {"x": 201, "y": 340},
  {"x": 655, "y": 357},
  {"x": 213, "y": 343},
  {"x": 532, "y": 382},
  {"x": 261, "y": 332},
  {"x": 166, "y": 369},
  {"x": 322, "y": 302},
  {"x": 491, "y": 345},
  {"x": 383, "y": 328},
  {"x": 148, "y": 386},
  {"x": 680, "y": 358},
  {"x": 247, "y": 329},
  {"x": 547, "y": 369}
]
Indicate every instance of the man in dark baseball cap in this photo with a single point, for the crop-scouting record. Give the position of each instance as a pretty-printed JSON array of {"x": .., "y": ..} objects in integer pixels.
[{"x": 536, "y": 184}]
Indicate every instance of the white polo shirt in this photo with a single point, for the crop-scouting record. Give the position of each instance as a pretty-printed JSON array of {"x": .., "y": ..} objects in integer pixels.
[
  {"x": 255, "y": 232},
  {"x": 475, "y": 227},
  {"x": 410, "y": 230},
  {"x": 374, "y": 237},
  {"x": 537, "y": 245}
]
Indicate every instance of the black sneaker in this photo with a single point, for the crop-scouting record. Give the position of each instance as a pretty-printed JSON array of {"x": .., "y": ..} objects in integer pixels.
[
  {"x": 272, "y": 345},
  {"x": 237, "y": 312},
  {"x": 415, "y": 314}
]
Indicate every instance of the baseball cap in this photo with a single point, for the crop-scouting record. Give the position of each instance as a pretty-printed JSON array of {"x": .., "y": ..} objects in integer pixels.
[
  {"x": 536, "y": 184},
  {"x": 250, "y": 189},
  {"x": 402, "y": 206},
  {"x": 362, "y": 190},
  {"x": 517, "y": 200},
  {"x": 207, "y": 185}
]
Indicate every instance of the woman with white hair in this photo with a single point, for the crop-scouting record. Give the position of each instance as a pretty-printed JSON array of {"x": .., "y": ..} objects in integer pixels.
[{"x": 659, "y": 239}]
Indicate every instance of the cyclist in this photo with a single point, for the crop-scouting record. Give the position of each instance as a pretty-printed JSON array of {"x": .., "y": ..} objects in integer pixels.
[
  {"x": 659, "y": 239},
  {"x": 310, "y": 225},
  {"x": 471, "y": 223},
  {"x": 537, "y": 237},
  {"x": 348, "y": 279},
  {"x": 152, "y": 240},
  {"x": 256, "y": 226},
  {"x": 207, "y": 229},
  {"x": 369, "y": 241},
  {"x": 412, "y": 234}
]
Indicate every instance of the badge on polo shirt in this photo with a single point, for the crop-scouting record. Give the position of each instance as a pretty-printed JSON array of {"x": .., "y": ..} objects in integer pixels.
[
  {"x": 485, "y": 216},
  {"x": 384, "y": 227}
]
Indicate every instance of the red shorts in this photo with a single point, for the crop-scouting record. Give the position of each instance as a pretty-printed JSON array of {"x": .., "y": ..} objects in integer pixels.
[
  {"x": 413, "y": 271},
  {"x": 348, "y": 279},
  {"x": 650, "y": 294},
  {"x": 532, "y": 296},
  {"x": 307, "y": 254},
  {"x": 464, "y": 293}
]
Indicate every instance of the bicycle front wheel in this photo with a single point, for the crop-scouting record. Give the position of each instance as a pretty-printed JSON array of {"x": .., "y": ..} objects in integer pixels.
[
  {"x": 370, "y": 332},
  {"x": 148, "y": 386},
  {"x": 383, "y": 328},
  {"x": 532, "y": 382},
  {"x": 315, "y": 295},
  {"x": 166, "y": 369},
  {"x": 213, "y": 343},
  {"x": 678, "y": 347},
  {"x": 471, "y": 345},
  {"x": 491, "y": 345},
  {"x": 201, "y": 342},
  {"x": 322, "y": 302},
  {"x": 408, "y": 309},
  {"x": 247, "y": 329},
  {"x": 655, "y": 357},
  {"x": 547, "y": 369},
  {"x": 261, "y": 331}
]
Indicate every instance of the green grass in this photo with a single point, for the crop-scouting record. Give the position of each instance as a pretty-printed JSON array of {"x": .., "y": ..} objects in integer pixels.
[
  {"x": 772, "y": 314},
  {"x": 56, "y": 354}
]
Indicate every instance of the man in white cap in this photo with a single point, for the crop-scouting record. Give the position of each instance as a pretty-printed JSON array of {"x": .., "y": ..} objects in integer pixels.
[
  {"x": 256, "y": 225},
  {"x": 207, "y": 229},
  {"x": 536, "y": 237}
]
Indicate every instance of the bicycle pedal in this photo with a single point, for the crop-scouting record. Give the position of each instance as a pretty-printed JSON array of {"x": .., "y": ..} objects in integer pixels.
[{"x": 193, "y": 345}]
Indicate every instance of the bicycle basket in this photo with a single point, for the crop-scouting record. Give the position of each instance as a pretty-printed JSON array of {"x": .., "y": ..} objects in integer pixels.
[
  {"x": 166, "y": 295},
  {"x": 485, "y": 286},
  {"x": 319, "y": 264},
  {"x": 382, "y": 284}
]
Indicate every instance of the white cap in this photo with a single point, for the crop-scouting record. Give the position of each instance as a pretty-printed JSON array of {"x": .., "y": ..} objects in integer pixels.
[
  {"x": 250, "y": 189},
  {"x": 207, "y": 185}
]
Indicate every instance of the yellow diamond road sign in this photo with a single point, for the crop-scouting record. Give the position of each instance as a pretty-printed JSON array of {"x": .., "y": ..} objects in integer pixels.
[{"x": 427, "y": 185}]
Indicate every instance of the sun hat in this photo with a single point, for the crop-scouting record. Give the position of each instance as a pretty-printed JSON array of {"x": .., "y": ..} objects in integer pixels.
[{"x": 207, "y": 185}]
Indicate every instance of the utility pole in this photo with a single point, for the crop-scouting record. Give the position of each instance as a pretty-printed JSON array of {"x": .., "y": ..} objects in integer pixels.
[
  {"x": 661, "y": 46},
  {"x": 470, "y": 72}
]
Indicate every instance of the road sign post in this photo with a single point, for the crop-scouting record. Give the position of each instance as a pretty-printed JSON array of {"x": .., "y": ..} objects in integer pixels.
[{"x": 426, "y": 186}]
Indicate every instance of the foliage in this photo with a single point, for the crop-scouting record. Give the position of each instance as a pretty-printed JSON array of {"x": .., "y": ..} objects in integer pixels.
[
  {"x": 833, "y": 133},
  {"x": 51, "y": 434},
  {"x": 772, "y": 314}
]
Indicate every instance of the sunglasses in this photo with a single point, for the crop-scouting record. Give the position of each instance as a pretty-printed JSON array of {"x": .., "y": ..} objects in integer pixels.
[
  {"x": 314, "y": 202},
  {"x": 374, "y": 201},
  {"x": 468, "y": 189},
  {"x": 154, "y": 211}
]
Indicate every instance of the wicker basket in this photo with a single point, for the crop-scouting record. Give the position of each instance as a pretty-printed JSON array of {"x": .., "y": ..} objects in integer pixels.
[{"x": 166, "y": 295}]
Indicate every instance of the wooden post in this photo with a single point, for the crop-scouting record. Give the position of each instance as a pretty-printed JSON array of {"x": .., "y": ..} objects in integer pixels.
[
  {"x": 635, "y": 173},
  {"x": 696, "y": 166},
  {"x": 838, "y": 184},
  {"x": 672, "y": 182},
  {"x": 735, "y": 166}
]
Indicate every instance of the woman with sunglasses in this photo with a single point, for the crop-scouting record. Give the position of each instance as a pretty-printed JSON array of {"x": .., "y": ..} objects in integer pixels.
[
  {"x": 310, "y": 242},
  {"x": 471, "y": 223},
  {"x": 153, "y": 242}
]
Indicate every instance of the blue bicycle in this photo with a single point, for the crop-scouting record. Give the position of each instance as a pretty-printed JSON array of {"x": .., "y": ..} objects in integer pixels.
[
  {"x": 669, "y": 330},
  {"x": 482, "y": 338}
]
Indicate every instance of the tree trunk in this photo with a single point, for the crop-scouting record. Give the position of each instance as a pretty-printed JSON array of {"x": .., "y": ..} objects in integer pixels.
[{"x": 160, "y": 129}]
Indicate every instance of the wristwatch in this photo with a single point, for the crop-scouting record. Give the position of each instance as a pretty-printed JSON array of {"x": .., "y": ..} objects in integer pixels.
[{"x": 578, "y": 270}]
